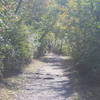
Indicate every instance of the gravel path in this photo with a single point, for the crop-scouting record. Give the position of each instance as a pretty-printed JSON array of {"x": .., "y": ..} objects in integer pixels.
[{"x": 49, "y": 82}]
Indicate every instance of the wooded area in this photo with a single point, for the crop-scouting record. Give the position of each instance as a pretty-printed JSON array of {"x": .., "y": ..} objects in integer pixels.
[{"x": 30, "y": 28}]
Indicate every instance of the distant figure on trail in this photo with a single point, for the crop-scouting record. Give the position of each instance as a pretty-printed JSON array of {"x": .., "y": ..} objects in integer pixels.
[{"x": 49, "y": 47}]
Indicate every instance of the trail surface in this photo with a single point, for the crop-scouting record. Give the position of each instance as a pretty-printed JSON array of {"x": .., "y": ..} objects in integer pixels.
[{"x": 52, "y": 81}]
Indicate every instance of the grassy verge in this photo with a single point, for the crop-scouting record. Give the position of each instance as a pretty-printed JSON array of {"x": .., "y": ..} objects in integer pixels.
[{"x": 10, "y": 86}]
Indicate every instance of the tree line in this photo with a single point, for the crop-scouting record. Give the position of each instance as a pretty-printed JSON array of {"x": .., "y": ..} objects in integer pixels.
[{"x": 70, "y": 27}]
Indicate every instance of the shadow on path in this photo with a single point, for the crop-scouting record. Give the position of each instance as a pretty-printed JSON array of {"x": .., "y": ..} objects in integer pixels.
[{"x": 66, "y": 87}]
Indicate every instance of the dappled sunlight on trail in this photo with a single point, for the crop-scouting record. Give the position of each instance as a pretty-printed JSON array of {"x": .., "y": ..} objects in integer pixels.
[
  {"x": 52, "y": 81},
  {"x": 49, "y": 82}
]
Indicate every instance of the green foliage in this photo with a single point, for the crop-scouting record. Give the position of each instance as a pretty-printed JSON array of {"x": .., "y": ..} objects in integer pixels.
[
  {"x": 68, "y": 27},
  {"x": 75, "y": 31},
  {"x": 83, "y": 36},
  {"x": 15, "y": 46}
]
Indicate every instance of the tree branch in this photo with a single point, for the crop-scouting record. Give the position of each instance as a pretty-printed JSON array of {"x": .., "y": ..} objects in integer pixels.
[{"x": 19, "y": 4}]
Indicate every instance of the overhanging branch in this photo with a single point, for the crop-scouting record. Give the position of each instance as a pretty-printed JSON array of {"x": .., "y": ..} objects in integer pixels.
[{"x": 19, "y": 4}]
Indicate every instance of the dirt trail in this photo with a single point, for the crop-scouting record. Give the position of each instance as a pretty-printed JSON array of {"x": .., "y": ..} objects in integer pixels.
[{"x": 52, "y": 81}]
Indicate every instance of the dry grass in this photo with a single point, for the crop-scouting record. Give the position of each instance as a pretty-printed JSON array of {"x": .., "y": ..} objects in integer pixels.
[
  {"x": 6, "y": 94},
  {"x": 34, "y": 66},
  {"x": 9, "y": 93}
]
